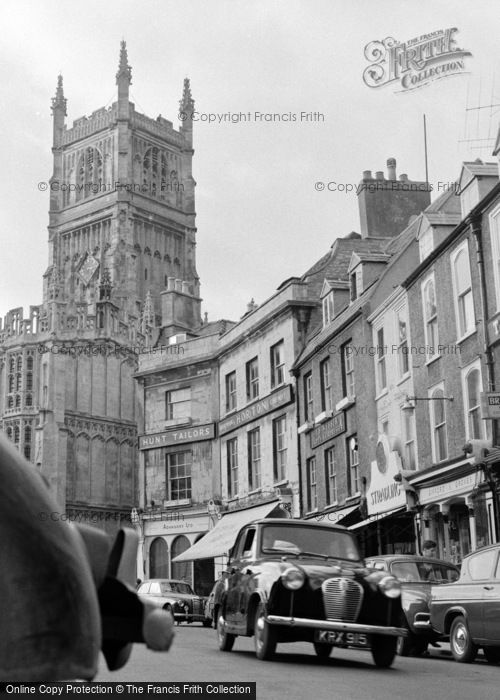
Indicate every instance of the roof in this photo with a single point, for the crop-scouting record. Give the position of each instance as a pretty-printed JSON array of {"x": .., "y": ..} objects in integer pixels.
[{"x": 408, "y": 557}]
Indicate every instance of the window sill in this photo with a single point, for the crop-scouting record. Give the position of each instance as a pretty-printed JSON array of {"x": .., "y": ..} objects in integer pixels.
[
  {"x": 232, "y": 410},
  {"x": 345, "y": 403},
  {"x": 305, "y": 428},
  {"x": 435, "y": 357},
  {"x": 322, "y": 417},
  {"x": 255, "y": 492},
  {"x": 383, "y": 393},
  {"x": 312, "y": 512},
  {"x": 464, "y": 337},
  {"x": 355, "y": 495},
  {"x": 403, "y": 379},
  {"x": 174, "y": 422},
  {"x": 283, "y": 482}
]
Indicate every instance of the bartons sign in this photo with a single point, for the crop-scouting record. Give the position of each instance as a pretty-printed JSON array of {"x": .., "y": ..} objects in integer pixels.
[
  {"x": 278, "y": 398},
  {"x": 416, "y": 62},
  {"x": 330, "y": 429},
  {"x": 173, "y": 437}
]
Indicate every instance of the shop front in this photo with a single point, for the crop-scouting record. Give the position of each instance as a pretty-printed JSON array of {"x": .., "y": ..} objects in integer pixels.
[
  {"x": 389, "y": 527},
  {"x": 456, "y": 510}
]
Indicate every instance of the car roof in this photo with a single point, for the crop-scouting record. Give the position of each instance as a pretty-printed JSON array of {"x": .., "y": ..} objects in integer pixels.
[
  {"x": 166, "y": 580},
  {"x": 294, "y": 522},
  {"x": 495, "y": 545},
  {"x": 408, "y": 557}
]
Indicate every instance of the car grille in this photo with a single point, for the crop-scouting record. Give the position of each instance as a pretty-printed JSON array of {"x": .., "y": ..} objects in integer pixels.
[
  {"x": 197, "y": 606},
  {"x": 342, "y": 598}
]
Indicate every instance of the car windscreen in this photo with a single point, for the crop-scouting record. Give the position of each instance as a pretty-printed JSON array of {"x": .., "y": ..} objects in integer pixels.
[
  {"x": 418, "y": 571},
  {"x": 325, "y": 542},
  {"x": 178, "y": 587}
]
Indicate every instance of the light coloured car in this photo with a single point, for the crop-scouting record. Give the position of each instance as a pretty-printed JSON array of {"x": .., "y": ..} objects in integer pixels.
[{"x": 177, "y": 597}]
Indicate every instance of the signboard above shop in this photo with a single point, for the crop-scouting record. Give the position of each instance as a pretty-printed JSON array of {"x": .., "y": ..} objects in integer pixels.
[
  {"x": 490, "y": 404},
  {"x": 329, "y": 429},
  {"x": 280, "y": 397},
  {"x": 384, "y": 493},
  {"x": 177, "y": 436}
]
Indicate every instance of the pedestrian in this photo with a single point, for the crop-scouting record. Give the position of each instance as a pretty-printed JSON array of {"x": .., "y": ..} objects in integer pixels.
[{"x": 430, "y": 549}]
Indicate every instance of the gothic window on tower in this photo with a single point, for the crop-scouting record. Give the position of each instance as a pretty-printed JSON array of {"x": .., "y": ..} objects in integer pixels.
[{"x": 89, "y": 173}]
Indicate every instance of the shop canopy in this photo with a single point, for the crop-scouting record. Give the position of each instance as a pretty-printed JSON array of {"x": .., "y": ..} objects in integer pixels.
[
  {"x": 376, "y": 518},
  {"x": 220, "y": 540}
]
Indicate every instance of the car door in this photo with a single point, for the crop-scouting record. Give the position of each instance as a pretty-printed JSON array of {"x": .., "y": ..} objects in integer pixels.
[
  {"x": 471, "y": 594},
  {"x": 247, "y": 561},
  {"x": 155, "y": 593},
  {"x": 491, "y": 603},
  {"x": 234, "y": 581}
]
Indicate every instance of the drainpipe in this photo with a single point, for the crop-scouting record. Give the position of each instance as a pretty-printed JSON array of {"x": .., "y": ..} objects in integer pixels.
[{"x": 476, "y": 229}]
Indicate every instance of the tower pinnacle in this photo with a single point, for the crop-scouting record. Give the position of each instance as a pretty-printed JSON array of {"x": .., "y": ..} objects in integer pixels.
[
  {"x": 124, "y": 70},
  {"x": 187, "y": 103},
  {"x": 59, "y": 101}
]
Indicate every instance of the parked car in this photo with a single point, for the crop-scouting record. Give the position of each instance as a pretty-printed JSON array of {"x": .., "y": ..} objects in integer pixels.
[
  {"x": 299, "y": 580},
  {"x": 417, "y": 576},
  {"x": 214, "y": 599},
  {"x": 469, "y": 610},
  {"x": 177, "y": 597}
]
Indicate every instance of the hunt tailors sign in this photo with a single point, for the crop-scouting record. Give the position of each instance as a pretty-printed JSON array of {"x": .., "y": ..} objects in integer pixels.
[{"x": 416, "y": 62}]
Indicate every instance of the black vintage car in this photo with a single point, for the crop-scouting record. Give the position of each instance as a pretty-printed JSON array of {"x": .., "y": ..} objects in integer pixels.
[
  {"x": 298, "y": 580},
  {"x": 469, "y": 610},
  {"x": 177, "y": 597},
  {"x": 417, "y": 575}
]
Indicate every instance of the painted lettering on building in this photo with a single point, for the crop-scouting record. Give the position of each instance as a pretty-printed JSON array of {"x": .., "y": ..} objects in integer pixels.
[
  {"x": 259, "y": 408},
  {"x": 172, "y": 437},
  {"x": 387, "y": 493},
  {"x": 328, "y": 430}
]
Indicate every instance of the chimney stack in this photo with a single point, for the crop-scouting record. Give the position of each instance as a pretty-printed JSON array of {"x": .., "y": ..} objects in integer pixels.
[{"x": 391, "y": 168}]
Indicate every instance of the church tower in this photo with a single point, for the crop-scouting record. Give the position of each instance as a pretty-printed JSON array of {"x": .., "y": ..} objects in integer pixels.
[{"x": 121, "y": 267}]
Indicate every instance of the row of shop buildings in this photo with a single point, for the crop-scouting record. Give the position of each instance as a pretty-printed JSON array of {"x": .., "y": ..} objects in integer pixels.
[{"x": 347, "y": 396}]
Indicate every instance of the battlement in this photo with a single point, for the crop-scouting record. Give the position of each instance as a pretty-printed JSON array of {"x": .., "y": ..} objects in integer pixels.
[
  {"x": 158, "y": 127},
  {"x": 102, "y": 118}
]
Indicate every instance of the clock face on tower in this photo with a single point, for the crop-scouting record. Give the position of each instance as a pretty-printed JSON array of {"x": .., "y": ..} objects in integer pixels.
[{"x": 88, "y": 268}]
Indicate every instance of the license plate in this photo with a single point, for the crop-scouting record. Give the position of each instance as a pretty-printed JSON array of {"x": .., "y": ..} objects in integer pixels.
[{"x": 341, "y": 638}]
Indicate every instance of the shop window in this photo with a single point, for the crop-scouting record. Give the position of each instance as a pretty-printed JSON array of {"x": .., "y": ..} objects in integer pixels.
[
  {"x": 232, "y": 466},
  {"x": 326, "y": 385},
  {"x": 312, "y": 491},
  {"x": 179, "y": 475},
  {"x": 231, "y": 392},
  {"x": 181, "y": 570},
  {"x": 158, "y": 558},
  {"x": 330, "y": 476},
  {"x": 254, "y": 464},
  {"x": 353, "y": 457},
  {"x": 279, "y": 448}
]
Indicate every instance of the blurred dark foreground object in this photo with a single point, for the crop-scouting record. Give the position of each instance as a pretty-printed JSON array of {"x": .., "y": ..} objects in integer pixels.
[{"x": 66, "y": 592}]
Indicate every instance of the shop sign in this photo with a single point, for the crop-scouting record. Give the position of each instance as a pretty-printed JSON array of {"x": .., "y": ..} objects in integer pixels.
[
  {"x": 278, "y": 398},
  {"x": 178, "y": 436},
  {"x": 329, "y": 429},
  {"x": 490, "y": 404},
  {"x": 429, "y": 494},
  {"x": 384, "y": 493},
  {"x": 175, "y": 526}
]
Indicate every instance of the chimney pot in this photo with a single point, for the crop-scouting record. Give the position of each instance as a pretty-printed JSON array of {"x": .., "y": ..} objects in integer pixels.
[
  {"x": 391, "y": 168},
  {"x": 379, "y": 175},
  {"x": 403, "y": 177},
  {"x": 367, "y": 175}
]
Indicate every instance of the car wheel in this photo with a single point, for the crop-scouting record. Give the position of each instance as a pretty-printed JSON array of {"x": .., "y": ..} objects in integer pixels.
[
  {"x": 411, "y": 645},
  {"x": 264, "y": 635},
  {"x": 492, "y": 654},
  {"x": 383, "y": 650},
  {"x": 168, "y": 608},
  {"x": 323, "y": 650},
  {"x": 462, "y": 647},
  {"x": 225, "y": 639},
  {"x": 216, "y": 616}
]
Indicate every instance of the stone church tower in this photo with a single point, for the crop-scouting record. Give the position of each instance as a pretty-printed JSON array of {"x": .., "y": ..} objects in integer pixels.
[{"x": 121, "y": 265}]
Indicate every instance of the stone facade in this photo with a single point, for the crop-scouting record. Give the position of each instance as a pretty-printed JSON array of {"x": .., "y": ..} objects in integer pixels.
[{"x": 121, "y": 263}]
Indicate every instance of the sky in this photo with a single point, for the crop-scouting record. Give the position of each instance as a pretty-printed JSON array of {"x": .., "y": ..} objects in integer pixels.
[{"x": 261, "y": 218}]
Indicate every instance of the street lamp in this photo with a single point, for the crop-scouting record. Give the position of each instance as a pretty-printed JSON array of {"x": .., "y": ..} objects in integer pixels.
[{"x": 409, "y": 404}]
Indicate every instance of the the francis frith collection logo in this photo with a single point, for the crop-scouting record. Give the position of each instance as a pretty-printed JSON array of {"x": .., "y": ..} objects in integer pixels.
[{"x": 414, "y": 63}]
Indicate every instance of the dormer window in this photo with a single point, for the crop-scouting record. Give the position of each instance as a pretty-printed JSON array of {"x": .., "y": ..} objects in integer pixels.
[
  {"x": 328, "y": 308},
  {"x": 426, "y": 243},
  {"x": 355, "y": 284}
]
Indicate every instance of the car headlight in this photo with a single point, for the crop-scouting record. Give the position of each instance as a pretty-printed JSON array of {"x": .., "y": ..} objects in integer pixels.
[
  {"x": 390, "y": 586},
  {"x": 293, "y": 578}
]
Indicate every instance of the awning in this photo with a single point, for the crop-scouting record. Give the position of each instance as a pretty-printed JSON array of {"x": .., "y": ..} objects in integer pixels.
[
  {"x": 220, "y": 540},
  {"x": 376, "y": 517}
]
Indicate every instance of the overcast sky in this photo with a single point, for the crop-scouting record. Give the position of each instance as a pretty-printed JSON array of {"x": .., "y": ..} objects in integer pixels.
[{"x": 259, "y": 216}]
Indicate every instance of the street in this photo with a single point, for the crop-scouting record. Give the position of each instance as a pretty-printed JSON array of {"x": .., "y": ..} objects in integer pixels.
[{"x": 297, "y": 673}]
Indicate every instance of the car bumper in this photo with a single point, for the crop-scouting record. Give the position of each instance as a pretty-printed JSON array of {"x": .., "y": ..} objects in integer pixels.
[
  {"x": 188, "y": 617},
  {"x": 335, "y": 626},
  {"x": 422, "y": 622}
]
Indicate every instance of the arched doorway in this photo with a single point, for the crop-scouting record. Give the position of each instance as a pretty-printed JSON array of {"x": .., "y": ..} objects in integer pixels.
[
  {"x": 183, "y": 569},
  {"x": 158, "y": 558},
  {"x": 203, "y": 574}
]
